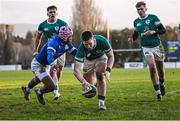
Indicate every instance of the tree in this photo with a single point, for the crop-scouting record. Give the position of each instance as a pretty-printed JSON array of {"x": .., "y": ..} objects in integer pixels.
[
  {"x": 2, "y": 40},
  {"x": 170, "y": 34},
  {"x": 8, "y": 50},
  {"x": 86, "y": 16},
  {"x": 29, "y": 38}
]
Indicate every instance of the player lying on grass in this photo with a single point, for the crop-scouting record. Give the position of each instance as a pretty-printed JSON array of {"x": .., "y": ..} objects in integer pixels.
[{"x": 53, "y": 49}]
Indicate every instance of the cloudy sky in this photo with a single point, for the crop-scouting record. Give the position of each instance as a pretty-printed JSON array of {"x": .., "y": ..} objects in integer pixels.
[{"x": 119, "y": 13}]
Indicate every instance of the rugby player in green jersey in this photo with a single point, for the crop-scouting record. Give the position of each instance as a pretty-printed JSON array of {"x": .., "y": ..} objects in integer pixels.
[
  {"x": 46, "y": 30},
  {"x": 148, "y": 28},
  {"x": 97, "y": 55}
]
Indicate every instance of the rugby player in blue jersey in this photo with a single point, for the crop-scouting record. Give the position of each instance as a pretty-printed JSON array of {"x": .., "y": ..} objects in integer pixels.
[
  {"x": 46, "y": 30},
  {"x": 45, "y": 59}
]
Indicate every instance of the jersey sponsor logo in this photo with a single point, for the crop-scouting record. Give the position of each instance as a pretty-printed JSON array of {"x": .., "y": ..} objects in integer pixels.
[
  {"x": 56, "y": 28},
  {"x": 138, "y": 24},
  {"x": 148, "y": 22}
]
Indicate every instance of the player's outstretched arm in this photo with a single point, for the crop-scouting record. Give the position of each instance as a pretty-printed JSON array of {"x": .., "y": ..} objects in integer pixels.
[
  {"x": 37, "y": 42},
  {"x": 77, "y": 72}
]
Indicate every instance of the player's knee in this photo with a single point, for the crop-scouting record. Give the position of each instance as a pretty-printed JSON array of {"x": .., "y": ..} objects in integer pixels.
[
  {"x": 99, "y": 76},
  {"x": 152, "y": 69},
  {"x": 49, "y": 84},
  {"x": 35, "y": 81}
]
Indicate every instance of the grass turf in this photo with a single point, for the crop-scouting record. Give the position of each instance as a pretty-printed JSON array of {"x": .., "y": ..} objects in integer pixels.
[{"x": 130, "y": 96}]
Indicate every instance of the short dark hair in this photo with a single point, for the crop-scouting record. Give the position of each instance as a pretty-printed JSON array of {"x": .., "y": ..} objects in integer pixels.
[
  {"x": 51, "y": 7},
  {"x": 138, "y": 4},
  {"x": 86, "y": 35}
]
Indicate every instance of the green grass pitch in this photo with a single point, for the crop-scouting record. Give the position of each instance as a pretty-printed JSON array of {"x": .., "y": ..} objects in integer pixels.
[{"x": 130, "y": 96}]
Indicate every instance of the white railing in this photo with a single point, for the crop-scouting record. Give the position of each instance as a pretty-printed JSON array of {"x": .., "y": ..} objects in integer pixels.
[
  {"x": 126, "y": 50},
  {"x": 10, "y": 67}
]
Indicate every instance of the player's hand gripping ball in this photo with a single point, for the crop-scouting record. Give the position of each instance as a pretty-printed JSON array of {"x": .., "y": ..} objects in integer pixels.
[{"x": 89, "y": 91}]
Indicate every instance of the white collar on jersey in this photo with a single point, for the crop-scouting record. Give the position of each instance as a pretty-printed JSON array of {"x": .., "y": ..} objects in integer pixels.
[
  {"x": 144, "y": 17},
  {"x": 52, "y": 22}
]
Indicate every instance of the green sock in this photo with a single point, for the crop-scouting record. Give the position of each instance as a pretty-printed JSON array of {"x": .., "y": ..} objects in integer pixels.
[{"x": 156, "y": 87}]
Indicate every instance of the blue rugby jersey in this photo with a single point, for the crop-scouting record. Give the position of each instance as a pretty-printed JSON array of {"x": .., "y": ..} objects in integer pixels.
[{"x": 53, "y": 49}]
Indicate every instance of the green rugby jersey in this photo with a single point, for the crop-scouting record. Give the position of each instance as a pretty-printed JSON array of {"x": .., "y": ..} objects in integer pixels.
[
  {"x": 102, "y": 46},
  {"x": 50, "y": 29},
  {"x": 142, "y": 25}
]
